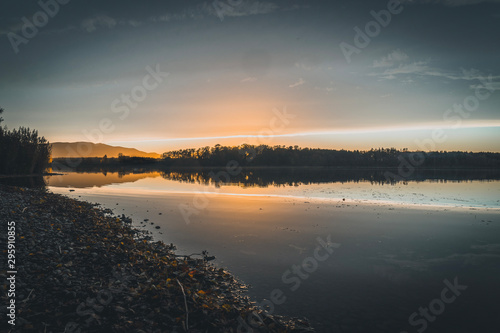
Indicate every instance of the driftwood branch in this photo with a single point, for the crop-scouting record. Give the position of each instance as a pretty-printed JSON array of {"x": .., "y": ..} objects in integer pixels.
[{"x": 185, "y": 303}]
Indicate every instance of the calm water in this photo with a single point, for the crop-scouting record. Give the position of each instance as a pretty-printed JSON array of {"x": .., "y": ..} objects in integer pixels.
[
  {"x": 316, "y": 184},
  {"x": 392, "y": 245}
]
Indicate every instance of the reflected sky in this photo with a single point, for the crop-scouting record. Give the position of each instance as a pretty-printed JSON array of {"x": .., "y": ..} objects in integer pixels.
[{"x": 436, "y": 192}]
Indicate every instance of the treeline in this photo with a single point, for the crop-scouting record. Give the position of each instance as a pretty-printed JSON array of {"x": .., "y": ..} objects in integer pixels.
[
  {"x": 281, "y": 156},
  {"x": 22, "y": 151},
  {"x": 278, "y": 156},
  {"x": 104, "y": 164}
]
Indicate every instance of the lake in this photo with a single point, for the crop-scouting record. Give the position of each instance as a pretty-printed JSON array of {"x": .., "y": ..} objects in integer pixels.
[{"x": 348, "y": 249}]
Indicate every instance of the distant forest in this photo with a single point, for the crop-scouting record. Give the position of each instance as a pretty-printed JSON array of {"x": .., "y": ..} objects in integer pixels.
[
  {"x": 22, "y": 151},
  {"x": 282, "y": 156},
  {"x": 248, "y": 155}
]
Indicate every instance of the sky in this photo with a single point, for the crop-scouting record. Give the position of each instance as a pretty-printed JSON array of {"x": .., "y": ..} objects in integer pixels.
[{"x": 160, "y": 75}]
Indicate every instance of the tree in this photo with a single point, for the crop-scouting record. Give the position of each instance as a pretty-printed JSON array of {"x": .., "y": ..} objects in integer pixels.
[{"x": 22, "y": 151}]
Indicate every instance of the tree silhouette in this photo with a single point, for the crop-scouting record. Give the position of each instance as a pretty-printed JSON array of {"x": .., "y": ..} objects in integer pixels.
[
  {"x": 281, "y": 156},
  {"x": 22, "y": 151},
  {"x": 263, "y": 155}
]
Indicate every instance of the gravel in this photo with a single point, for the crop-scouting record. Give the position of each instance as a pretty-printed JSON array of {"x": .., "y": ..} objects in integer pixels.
[{"x": 80, "y": 268}]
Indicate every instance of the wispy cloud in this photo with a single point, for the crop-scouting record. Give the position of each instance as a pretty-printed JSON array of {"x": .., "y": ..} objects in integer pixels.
[
  {"x": 249, "y": 79},
  {"x": 393, "y": 58},
  {"x": 422, "y": 68},
  {"x": 419, "y": 67},
  {"x": 492, "y": 86},
  {"x": 450, "y": 3},
  {"x": 298, "y": 83},
  {"x": 305, "y": 66},
  {"x": 328, "y": 89},
  {"x": 246, "y": 8},
  {"x": 91, "y": 24},
  {"x": 397, "y": 65}
]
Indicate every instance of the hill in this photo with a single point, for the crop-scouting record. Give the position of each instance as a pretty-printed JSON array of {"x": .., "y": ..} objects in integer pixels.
[{"x": 88, "y": 149}]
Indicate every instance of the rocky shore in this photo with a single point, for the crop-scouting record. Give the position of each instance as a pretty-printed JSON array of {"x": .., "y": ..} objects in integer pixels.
[{"x": 79, "y": 268}]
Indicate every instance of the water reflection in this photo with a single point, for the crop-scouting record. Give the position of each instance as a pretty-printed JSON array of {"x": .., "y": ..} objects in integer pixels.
[
  {"x": 31, "y": 181},
  {"x": 88, "y": 179},
  {"x": 266, "y": 177}
]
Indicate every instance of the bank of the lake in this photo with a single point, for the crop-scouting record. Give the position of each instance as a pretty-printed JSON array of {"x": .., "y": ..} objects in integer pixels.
[
  {"x": 80, "y": 268},
  {"x": 389, "y": 258}
]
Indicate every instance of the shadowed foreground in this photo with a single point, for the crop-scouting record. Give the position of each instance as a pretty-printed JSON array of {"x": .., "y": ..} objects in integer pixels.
[{"x": 81, "y": 269}]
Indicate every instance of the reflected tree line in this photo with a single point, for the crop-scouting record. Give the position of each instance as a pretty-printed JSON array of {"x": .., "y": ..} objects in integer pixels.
[
  {"x": 264, "y": 177},
  {"x": 292, "y": 166},
  {"x": 279, "y": 176}
]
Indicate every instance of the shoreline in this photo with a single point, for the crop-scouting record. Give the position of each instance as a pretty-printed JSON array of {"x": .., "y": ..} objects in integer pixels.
[{"x": 82, "y": 267}]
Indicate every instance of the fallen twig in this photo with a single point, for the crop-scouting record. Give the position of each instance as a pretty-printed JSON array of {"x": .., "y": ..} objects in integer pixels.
[
  {"x": 26, "y": 299},
  {"x": 185, "y": 303}
]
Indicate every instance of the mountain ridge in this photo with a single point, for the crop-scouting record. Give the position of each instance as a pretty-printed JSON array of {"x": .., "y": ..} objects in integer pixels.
[{"x": 90, "y": 149}]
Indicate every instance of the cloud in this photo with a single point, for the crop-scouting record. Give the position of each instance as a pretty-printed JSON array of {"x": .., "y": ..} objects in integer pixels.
[
  {"x": 410, "y": 71},
  {"x": 465, "y": 75},
  {"x": 487, "y": 247},
  {"x": 134, "y": 23},
  {"x": 388, "y": 77},
  {"x": 298, "y": 83},
  {"x": 419, "y": 68},
  {"x": 91, "y": 24},
  {"x": 325, "y": 89},
  {"x": 246, "y": 8},
  {"x": 397, "y": 64},
  {"x": 328, "y": 88},
  {"x": 221, "y": 9},
  {"x": 210, "y": 9},
  {"x": 192, "y": 13},
  {"x": 493, "y": 86},
  {"x": 393, "y": 58},
  {"x": 422, "y": 68},
  {"x": 449, "y": 3},
  {"x": 249, "y": 79},
  {"x": 306, "y": 66}
]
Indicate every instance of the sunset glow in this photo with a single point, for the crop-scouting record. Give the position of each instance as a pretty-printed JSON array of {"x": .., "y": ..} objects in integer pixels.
[{"x": 179, "y": 77}]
